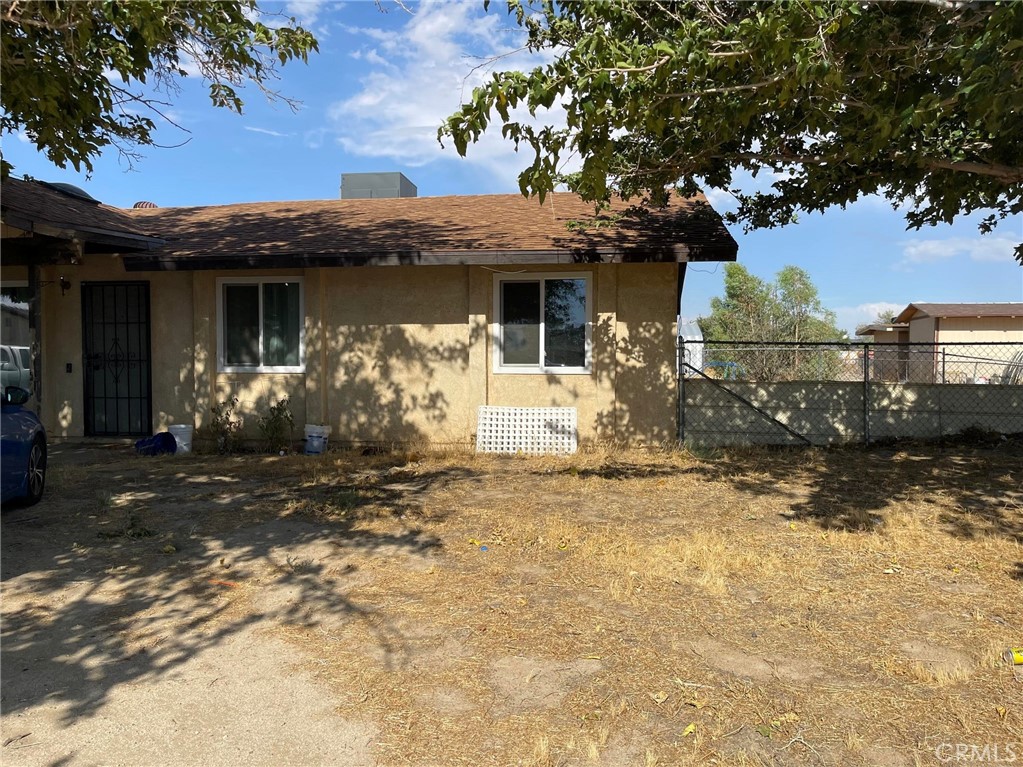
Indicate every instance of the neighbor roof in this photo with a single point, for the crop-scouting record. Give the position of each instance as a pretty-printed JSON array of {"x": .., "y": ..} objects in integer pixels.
[
  {"x": 880, "y": 327},
  {"x": 57, "y": 212},
  {"x": 477, "y": 229},
  {"x": 1014, "y": 309}
]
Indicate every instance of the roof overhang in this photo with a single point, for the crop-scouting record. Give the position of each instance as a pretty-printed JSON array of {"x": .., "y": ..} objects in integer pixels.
[
  {"x": 879, "y": 327},
  {"x": 105, "y": 238},
  {"x": 290, "y": 260}
]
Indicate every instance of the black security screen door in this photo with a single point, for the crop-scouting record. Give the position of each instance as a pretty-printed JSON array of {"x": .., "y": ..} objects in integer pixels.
[{"x": 115, "y": 332}]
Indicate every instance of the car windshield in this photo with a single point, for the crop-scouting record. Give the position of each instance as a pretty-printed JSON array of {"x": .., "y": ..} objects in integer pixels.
[{"x": 23, "y": 353}]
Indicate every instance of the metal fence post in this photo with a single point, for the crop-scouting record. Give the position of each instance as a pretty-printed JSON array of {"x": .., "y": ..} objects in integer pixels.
[
  {"x": 866, "y": 394},
  {"x": 680, "y": 390}
]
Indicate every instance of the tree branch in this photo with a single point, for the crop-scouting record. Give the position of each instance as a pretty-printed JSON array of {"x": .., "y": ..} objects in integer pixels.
[
  {"x": 1005, "y": 173},
  {"x": 622, "y": 70},
  {"x": 727, "y": 89}
]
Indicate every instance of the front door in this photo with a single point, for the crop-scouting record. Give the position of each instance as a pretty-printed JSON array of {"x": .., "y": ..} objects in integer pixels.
[{"x": 115, "y": 333}]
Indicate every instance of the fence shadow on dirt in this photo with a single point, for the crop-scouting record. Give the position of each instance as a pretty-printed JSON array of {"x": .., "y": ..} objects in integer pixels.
[{"x": 104, "y": 589}]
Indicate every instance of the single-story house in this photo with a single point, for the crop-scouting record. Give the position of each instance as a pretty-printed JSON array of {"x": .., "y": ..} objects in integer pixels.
[
  {"x": 14, "y": 325},
  {"x": 946, "y": 342},
  {"x": 385, "y": 319}
]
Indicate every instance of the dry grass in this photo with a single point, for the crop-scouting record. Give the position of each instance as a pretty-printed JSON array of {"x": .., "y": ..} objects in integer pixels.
[{"x": 757, "y": 608}]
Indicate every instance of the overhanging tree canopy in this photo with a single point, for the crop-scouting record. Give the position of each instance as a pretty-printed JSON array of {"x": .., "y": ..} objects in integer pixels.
[
  {"x": 917, "y": 101},
  {"x": 73, "y": 72}
]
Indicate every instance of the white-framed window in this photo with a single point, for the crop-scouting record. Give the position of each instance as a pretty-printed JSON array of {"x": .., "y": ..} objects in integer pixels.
[
  {"x": 543, "y": 323},
  {"x": 259, "y": 325}
]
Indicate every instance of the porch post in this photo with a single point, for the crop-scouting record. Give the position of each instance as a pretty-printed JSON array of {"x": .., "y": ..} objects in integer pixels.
[{"x": 35, "y": 334}]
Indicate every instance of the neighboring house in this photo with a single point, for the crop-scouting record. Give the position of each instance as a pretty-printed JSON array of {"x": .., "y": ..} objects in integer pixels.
[
  {"x": 14, "y": 323},
  {"x": 946, "y": 342},
  {"x": 385, "y": 319}
]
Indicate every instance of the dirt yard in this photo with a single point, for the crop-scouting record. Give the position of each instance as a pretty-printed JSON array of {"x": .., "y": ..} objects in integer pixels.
[{"x": 613, "y": 608}]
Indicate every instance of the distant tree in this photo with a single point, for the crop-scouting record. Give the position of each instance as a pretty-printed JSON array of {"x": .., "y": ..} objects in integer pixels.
[
  {"x": 788, "y": 309},
  {"x": 74, "y": 72},
  {"x": 917, "y": 101}
]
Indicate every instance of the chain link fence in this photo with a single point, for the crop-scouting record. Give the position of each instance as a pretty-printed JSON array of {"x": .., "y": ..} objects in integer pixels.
[{"x": 743, "y": 392}]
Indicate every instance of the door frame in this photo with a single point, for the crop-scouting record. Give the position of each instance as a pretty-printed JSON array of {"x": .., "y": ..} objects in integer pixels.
[{"x": 147, "y": 414}]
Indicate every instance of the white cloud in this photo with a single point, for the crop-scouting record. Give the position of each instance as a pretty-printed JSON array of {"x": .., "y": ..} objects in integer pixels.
[
  {"x": 266, "y": 131},
  {"x": 849, "y": 317},
  {"x": 189, "y": 66},
  {"x": 720, "y": 200},
  {"x": 981, "y": 249},
  {"x": 313, "y": 139},
  {"x": 307, "y": 14},
  {"x": 420, "y": 75}
]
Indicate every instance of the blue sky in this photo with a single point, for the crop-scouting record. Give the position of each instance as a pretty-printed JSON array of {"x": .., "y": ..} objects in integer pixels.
[{"x": 372, "y": 100}]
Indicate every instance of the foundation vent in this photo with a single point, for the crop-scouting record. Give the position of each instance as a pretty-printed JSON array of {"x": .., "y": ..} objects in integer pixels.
[{"x": 528, "y": 430}]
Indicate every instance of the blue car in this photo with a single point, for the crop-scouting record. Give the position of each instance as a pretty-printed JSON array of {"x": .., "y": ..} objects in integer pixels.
[{"x": 23, "y": 445}]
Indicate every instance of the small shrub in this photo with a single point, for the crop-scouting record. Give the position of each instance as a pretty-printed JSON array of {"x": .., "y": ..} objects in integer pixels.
[
  {"x": 223, "y": 427},
  {"x": 277, "y": 426}
]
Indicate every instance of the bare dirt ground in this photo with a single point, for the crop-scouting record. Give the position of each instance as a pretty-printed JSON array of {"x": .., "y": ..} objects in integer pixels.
[{"x": 613, "y": 608}]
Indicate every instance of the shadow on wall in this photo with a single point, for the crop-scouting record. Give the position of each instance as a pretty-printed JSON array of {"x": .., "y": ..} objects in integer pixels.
[
  {"x": 386, "y": 384},
  {"x": 398, "y": 379},
  {"x": 639, "y": 367},
  {"x": 95, "y": 600}
]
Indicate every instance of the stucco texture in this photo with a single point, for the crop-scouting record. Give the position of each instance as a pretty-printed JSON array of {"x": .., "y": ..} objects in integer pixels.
[{"x": 392, "y": 354}]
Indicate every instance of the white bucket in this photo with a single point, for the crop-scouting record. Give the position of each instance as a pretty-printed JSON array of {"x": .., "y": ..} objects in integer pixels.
[
  {"x": 316, "y": 439},
  {"x": 182, "y": 436}
]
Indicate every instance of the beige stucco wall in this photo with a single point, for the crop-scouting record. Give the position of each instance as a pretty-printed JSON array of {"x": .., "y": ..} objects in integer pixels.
[
  {"x": 890, "y": 336},
  {"x": 391, "y": 354},
  {"x": 630, "y": 393},
  {"x": 965, "y": 362},
  {"x": 255, "y": 392},
  {"x": 396, "y": 348},
  {"x": 980, "y": 329},
  {"x": 171, "y": 343},
  {"x": 549, "y": 390},
  {"x": 921, "y": 330}
]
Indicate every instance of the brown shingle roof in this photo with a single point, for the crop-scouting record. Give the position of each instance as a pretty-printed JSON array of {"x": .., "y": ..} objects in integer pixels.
[
  {"x": 430, "y": 230},
  {"x": 1009, "y": 309},
  {"x": 37, "y": 207}
]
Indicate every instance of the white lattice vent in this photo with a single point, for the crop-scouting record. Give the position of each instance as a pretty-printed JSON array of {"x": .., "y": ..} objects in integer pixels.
[{"x": 530, "y": 430}]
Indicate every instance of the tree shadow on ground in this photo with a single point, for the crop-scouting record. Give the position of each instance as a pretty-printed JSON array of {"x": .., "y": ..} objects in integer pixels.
[
  {"x": 619, "y": 470},
  {"x": 115, "y": 587},
  {"x": 853, "y": 488}
]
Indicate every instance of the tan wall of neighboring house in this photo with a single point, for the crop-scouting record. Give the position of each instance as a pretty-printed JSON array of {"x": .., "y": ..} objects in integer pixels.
[
  {"x": 14, "y": 327},
  {"x": 391, "y": 353},
  {"x": 891, "y": 337},
  {"x": 14, "y": 324},
  {"x": 965, "y": 363},
  {"x": 980, "y": 329},
  {"x": 950, "y": 360},
  {"x": 921, "y": 331}
]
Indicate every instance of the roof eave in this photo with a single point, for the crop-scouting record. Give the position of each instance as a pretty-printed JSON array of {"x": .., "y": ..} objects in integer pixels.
[
  {"x": 88, "y": 235},
  {"x": 554, "y": 256}
]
